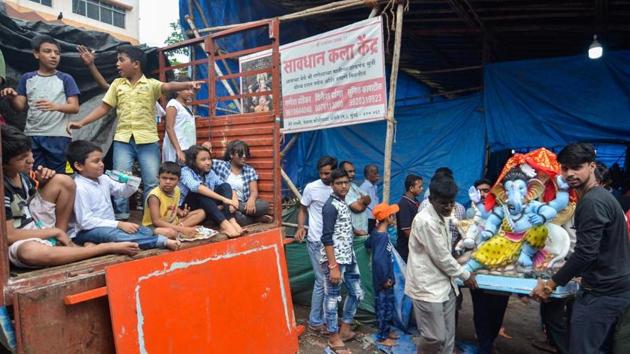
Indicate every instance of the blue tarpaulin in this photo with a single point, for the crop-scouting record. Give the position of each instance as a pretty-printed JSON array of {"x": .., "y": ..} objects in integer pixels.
[
  {"x": 525, "y": 104},
  {"x": 551, "y": 102},
  {"x": 428, "y": 136}
]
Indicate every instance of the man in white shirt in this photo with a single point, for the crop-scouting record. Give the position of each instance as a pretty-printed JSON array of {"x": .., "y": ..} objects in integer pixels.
[
  {"x": 431, "y": 270},
  {"x": 357, "y": 201},
  {"x": 313, "y": 198},
  {"x": 369, "y": 187}
]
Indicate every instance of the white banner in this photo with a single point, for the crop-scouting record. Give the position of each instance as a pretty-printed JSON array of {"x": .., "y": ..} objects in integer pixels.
[{"x": 335, "y": 78}]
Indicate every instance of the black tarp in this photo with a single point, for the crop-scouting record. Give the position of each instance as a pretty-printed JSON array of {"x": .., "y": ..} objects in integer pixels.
[{"x": 15, "y": 39}]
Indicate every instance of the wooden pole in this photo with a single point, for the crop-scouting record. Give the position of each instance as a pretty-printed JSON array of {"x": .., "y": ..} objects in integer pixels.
[
  {"x": 289, "y": 183},
  {"x": 289, "y": 145},
  {"x": 389, "y": 137}
]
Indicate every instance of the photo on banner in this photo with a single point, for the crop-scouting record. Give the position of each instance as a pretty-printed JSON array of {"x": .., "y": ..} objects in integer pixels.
[
  {"x": 259, "y": 82},
  {"x": 333, "y": 79}
]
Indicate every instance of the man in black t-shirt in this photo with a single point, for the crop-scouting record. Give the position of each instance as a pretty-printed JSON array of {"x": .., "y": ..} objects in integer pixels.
[
  {"x": 601, "y": 256},
  {"x": 408, "y": 206}
]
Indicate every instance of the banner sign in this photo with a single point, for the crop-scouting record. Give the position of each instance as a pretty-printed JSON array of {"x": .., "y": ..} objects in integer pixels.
[{"x": 335, "y": 78}]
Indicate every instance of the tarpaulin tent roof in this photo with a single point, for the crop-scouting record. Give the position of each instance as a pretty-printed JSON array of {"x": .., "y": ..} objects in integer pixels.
[
  {"x": 442, "y": 35},
  {"x": 513, "y": 95}
]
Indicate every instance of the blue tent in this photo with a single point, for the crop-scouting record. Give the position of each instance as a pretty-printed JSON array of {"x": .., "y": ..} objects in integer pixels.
[{"x": 524, "y": 104}]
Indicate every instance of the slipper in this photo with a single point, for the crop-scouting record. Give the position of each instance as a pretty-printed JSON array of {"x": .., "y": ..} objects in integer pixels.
[
  {"x": 338, "y": 349},
  {"x": 352, "y": 336},
  {"x": 321, "y": 329}
]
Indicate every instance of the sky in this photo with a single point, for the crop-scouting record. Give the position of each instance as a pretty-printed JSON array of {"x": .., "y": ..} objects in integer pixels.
[{"x": 154, "y": 20}]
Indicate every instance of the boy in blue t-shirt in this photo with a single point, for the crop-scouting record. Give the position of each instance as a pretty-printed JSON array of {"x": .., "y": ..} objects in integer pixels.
[
  {"x": 383, "y": 271},
  {"x": 51, "y": 96}
]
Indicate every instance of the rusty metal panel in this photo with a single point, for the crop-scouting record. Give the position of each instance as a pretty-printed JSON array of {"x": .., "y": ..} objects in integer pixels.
[
  {"x": 225, "y": 297},
  {"x": 44, "y": 324}
]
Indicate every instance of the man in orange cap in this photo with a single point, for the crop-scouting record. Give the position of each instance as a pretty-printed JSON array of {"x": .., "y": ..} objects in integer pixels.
[{"x": 383, "y": 271}]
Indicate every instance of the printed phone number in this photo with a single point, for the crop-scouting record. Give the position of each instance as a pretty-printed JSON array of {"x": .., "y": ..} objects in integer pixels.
[{"x": 363, "y": 100}]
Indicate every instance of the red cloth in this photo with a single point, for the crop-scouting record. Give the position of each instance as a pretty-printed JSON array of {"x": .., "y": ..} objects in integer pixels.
[{"x": 541, "y": 160}]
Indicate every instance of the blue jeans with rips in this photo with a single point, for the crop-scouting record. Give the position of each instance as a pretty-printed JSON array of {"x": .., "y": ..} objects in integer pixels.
[
  {"x": 351, "y": 277},
  {"x": 148, "y": 157},
  {"x": 316, "y": 317},
  {"x": 144, "y": 237}
]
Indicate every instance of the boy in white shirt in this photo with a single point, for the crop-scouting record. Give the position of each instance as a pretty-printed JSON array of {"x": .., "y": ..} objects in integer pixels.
[
  {"x": 37, "y": 217},
  {"x": 93, "y": 208}
]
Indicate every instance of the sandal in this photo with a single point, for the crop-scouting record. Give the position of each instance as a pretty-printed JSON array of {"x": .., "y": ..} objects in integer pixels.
[
  {"x": 352, "y": 336},
  {"x": 339, "y": 349},
  {"x": 321, "y": 329}
]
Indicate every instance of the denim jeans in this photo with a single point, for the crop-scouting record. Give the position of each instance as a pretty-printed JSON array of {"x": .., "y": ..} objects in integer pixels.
[
  {"x": 211, "y": 206},
  {"x": 593, "y": 321},
  {"x": 316, "y": 317},
  {"x": 332, "y": 295},
  {"x": 148, "y": 157},
  {"x": 144, "y": 237},
  {"x": 384, "y": 304}
]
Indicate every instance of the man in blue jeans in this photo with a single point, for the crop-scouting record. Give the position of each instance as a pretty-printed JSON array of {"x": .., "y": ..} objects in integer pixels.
[
  {"x": 313, "y": 198},
  {"x": 601, "y": 256}
]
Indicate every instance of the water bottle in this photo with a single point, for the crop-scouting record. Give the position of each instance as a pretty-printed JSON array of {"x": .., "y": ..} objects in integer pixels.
[{"x": 124, "y": 178}]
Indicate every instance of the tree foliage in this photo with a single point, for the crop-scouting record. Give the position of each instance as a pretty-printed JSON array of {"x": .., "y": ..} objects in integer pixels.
[{"x": 176, "y": 36}]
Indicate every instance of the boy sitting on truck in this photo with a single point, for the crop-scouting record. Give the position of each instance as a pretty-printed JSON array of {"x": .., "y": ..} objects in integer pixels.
[
  {"x": 37, "y": 219},
  {"x": 93, "y": 208},
  {"x": 162, "y": 211}
]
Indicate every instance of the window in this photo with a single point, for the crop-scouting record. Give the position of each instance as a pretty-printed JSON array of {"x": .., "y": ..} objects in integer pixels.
[
  {"x": 100, "y": 11},
  {"x": 44, "y": 2}
]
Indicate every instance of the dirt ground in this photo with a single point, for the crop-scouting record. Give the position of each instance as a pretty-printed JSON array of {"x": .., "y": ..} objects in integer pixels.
[{"x": 522, "y": 323}]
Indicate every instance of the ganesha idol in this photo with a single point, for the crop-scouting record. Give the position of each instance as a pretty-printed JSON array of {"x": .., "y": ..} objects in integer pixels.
[{"x": 518, "y": 229}]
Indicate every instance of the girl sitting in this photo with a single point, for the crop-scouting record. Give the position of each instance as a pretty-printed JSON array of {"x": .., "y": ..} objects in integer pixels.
[{"x": 201, "y": 188}]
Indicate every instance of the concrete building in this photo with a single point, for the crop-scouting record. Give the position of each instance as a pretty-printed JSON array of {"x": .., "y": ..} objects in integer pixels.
[{"x": 120, "y": 18}]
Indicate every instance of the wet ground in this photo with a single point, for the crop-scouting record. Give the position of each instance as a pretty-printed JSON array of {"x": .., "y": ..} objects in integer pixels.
[{"x": 521, "y": 322}]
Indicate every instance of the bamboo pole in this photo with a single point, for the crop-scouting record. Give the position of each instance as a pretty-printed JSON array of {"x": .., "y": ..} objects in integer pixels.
[
  {"x": 289, "y": 183},
  {"x": 216, "y": 66},
  {"x": 389, "y": 137},
  {"x": 289, "y": 145}
]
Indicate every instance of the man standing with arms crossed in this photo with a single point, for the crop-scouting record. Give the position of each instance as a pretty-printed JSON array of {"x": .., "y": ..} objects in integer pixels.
[{"x": 314, "y": 196}]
